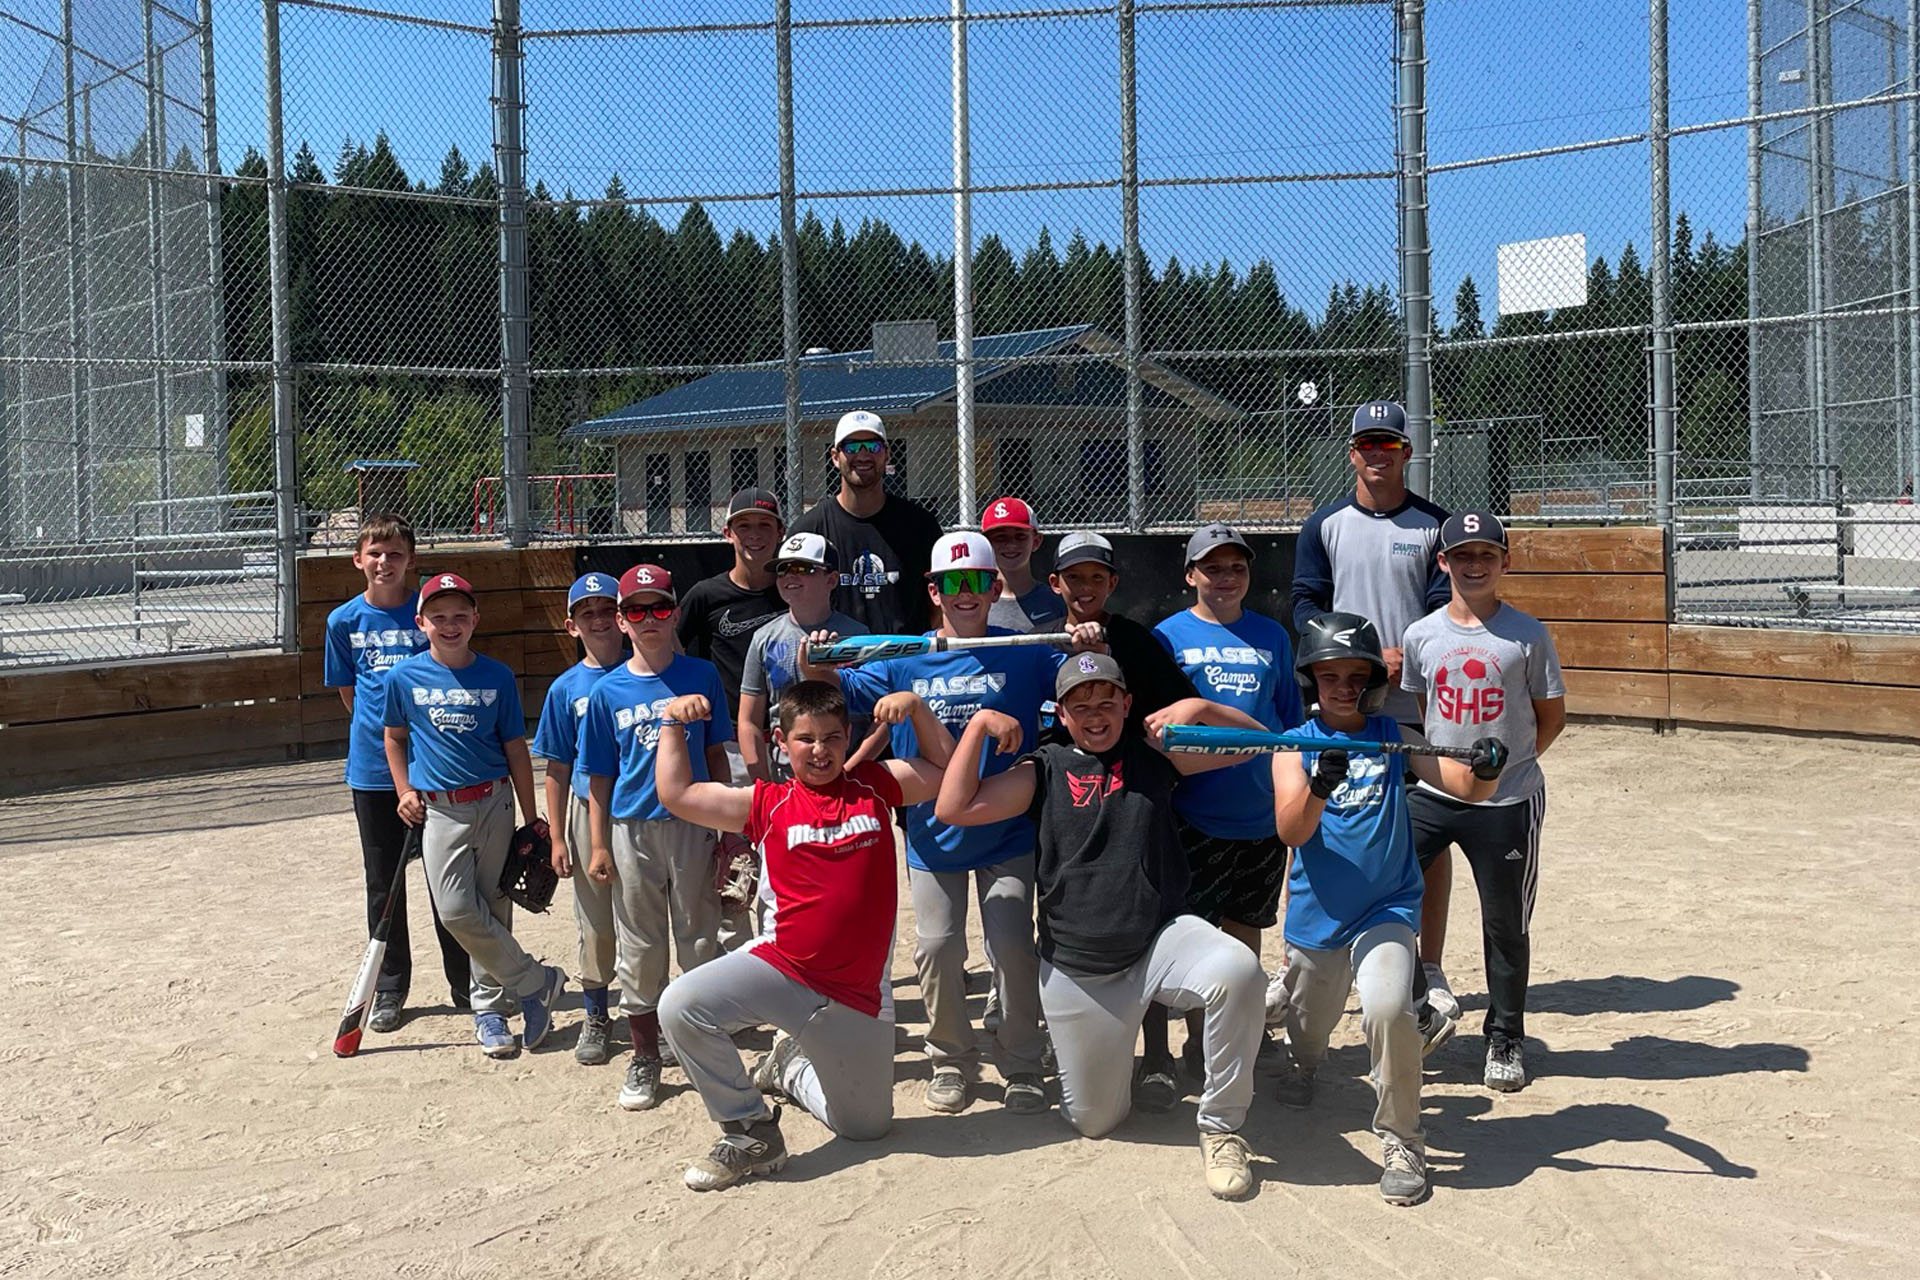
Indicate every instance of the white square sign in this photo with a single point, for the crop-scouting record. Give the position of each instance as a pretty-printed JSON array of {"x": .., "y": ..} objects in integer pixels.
[{"x": 1543, "y": 275}]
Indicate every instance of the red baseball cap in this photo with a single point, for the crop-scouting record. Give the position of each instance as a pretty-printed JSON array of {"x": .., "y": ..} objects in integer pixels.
[
  {"x": 440, "y": 584},
  {"x": 1007, "y": 513},
  {"x": 645, "y": 580}
]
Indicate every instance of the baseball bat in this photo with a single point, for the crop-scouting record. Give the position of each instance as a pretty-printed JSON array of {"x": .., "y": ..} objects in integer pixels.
[
  {"x": 854, "y": 650},
  {"x": 1217, "y": 740},
  {"x": 353, "y": 1023}
]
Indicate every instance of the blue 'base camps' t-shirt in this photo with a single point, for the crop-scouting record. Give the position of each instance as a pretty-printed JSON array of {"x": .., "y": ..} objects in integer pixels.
[
  {"x": 458, "y": 722},
  {"x": 1357, "y": 869},
  {"x": 620, "y": 737},
  {"x": 557, "y": 737},
  {"x": 1246, "y": 665},
  {"x": 364, "y": 642},
  {"x": 954, "y": 686}
]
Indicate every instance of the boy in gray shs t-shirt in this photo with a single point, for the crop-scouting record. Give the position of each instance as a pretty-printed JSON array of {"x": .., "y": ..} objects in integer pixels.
[{"x": 1484, "y": 668}]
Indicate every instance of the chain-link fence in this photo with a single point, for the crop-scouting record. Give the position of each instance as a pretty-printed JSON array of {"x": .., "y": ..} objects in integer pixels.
[{"x": 578, "y": 270}]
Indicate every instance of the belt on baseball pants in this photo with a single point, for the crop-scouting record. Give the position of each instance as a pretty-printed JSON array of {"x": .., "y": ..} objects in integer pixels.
[{"x": 465, "y": 795}]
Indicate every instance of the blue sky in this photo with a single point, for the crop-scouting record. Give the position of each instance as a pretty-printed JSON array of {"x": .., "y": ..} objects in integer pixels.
[{"x": 1298, "y": 90}]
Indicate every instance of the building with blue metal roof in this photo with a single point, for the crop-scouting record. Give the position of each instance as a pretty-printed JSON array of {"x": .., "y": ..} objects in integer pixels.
[{"x": 1049, "y": 425}]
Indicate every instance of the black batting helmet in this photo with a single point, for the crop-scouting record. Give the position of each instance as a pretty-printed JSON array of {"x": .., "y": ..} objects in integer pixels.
[{"x": 1341, "y": 635}]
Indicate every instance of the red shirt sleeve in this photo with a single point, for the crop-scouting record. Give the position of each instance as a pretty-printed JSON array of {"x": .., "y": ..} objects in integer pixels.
[
  {"x": 881, "y": 779},
  {"x": 757, "y": 815}
]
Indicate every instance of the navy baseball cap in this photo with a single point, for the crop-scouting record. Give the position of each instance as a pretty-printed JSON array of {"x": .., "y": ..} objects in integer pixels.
[
  {"x": 603, "y": 585},
  {"x": 1207, "y": 537},
  {"x": 1380, "y": 418},
  {"x": 1472, "y": 526}
]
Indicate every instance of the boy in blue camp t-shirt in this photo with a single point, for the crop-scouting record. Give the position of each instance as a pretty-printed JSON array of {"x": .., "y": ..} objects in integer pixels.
[
  {"x": 1355, "y": 888},
  {"x": 998, "y": 856},
  {"x": 593, "y": 619},
  {"x": 365, "y": 637},
  {"x": 456, "y": 741}
]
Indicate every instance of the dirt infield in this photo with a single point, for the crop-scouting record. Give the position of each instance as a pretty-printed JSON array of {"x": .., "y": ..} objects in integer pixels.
[{"x": 1726, "y": 1039}]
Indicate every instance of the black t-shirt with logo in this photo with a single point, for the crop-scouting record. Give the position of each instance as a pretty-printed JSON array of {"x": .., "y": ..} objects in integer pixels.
[
  {"x": 1109, "y": 870},
  {"x": 717, "y": 620},
  {"x": 883, "y": 561}
]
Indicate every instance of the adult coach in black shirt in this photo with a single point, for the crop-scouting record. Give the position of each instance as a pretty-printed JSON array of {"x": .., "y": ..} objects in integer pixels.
[
  {"x": 885, "y": 542},
  {"x": 719, "y": 615}
]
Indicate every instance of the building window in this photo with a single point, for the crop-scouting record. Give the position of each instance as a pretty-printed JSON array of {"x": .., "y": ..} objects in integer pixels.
[
  {"x": 699, "y": 490},
  {"x": 744, "y": 467},
  {"x": 1103, "y": 467}
]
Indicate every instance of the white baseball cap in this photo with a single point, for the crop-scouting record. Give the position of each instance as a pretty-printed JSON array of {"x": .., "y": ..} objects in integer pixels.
[
  {"x": 858, "y": 423},
  {"x": 963, "y": 550}
]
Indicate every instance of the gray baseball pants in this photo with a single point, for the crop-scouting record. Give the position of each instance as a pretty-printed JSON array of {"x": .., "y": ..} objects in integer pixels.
[
  {"x": 592, "y": 902},
  {"x": 1094, "y": 1020},
  {"x": 663, "y": 895},
  {"x": 842, "y": 1074},
  {"x": 1005, "y": 893},
  {"x": 1380, "y": 962},
  {"x": 464, "y": 847}
]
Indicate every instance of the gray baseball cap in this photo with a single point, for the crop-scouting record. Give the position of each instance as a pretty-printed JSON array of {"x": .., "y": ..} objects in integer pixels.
[
  {"x": 1210, "y": 536},
  {"x": 1084, "y": 548},
  {"x": 1084, "y": 668}
]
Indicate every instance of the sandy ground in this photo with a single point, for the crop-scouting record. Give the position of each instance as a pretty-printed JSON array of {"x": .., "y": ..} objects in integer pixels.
[{"x": 1722, "y": 1026}]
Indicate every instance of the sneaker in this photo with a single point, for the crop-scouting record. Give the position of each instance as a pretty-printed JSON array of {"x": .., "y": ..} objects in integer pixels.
[
  {"x": 1294, "y": 1088},
  {"x": 641, "y": 1092},
  {"x": 490, "y": 1029},
  {"x": 1506, "y": 1067},
  {"x": 1025, "y": 1094},
  {"x": 1155, "y": 1087},
  {"x": 1229, "y": 1164},
  {"x": 595, "y": 1044},
  {"x": 947, "y": 1091},
  {"x": 1277, "y": 998},
  {"x": 1440, "y": 997},
  {"x": 770, "y": 1069},
  {"x": 1404, "y": 1180},
  {"x": 537, "y": 1009},
  {"x": 386, "y": 1011},
  {"x": 744, "y": 1149},
  {"x": 1436, "y": 1028}
]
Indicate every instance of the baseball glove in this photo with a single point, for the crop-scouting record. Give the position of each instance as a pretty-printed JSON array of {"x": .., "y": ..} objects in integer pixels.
[
  {"x": 528, "y": 878},
  {"x": 736, "y": 870}
]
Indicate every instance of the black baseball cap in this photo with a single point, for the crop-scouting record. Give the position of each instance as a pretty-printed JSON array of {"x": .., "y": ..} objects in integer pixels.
[
  {"x": 1472, "y": 526},
  {"x": 1207, "y": 537},
  {"x": 1380, "y": 418},
  {"x": 754, "y": 500},
  {"x": 1084, "y": 548}
]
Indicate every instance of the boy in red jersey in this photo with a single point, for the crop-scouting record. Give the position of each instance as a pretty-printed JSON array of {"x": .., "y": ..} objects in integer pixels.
[{"x": 818, "y": 971}]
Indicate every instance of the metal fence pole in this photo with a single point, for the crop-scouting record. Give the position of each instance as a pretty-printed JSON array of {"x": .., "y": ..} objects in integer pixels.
[
  {"x": 216, "y": 265},
  {"x": 1660, "y": 240},
  {"x": 80, "y": 347},
  {"x": 516, "y": 345},
  {"x": 789, "y": 262},
  {"x": 1416, "y": 286},
  {"x": 1819, "y": 173},
  {"x": 1913, "y": 248},
  {"x": 1756, "y": 102},
  {"x": 1130, "y": 276},
  {"x": 286, "y": 474},
  {"x": 156, "y": 139},
  {"x": 962, "y": 270}
]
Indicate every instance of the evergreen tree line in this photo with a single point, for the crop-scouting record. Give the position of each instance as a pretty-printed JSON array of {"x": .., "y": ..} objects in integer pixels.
[{"x": 388, "y": 281}]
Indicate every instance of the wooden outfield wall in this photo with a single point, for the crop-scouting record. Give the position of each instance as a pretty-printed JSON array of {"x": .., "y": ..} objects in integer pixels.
[{"x": 1602, "y": 593}]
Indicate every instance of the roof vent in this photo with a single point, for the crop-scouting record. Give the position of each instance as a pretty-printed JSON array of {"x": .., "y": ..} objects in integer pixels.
[{"x": 903, "y": 340}]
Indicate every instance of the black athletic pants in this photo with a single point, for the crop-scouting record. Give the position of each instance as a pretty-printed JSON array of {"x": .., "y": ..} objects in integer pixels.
[
  {"x": 1502, "y": 845},
  {"x": 382, "y": 838}
]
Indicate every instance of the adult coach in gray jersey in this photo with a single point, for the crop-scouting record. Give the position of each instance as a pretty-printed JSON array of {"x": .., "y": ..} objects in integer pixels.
[{"x": 1374, "y": 553}]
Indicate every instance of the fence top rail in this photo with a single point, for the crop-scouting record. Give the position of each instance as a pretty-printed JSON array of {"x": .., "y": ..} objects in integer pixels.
[
  {"x": 387, "y": 15},
  {"x": 208, "y": 499}
]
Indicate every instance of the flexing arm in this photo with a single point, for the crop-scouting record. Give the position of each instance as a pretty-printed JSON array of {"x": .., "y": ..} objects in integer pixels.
[
  {"x": 918, "y": 776},
  {"x": 966, "y": 799},
  {"x": 1200, "y": 711},
  {"x": 705, "y": 804}
]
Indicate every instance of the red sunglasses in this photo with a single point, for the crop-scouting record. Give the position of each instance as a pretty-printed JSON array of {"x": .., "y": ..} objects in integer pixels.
[{"x": 641, "y": 612}]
